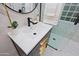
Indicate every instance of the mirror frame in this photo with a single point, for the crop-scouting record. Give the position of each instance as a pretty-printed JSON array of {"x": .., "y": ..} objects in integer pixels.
[{"x": 22, "y": 12}]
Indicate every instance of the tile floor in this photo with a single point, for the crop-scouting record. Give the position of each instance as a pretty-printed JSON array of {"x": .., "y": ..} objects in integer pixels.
[{"x": 68, "y": 49}]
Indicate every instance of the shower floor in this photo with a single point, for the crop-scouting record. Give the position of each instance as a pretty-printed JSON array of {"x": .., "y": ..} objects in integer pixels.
[{"x": 68, "y": 48}]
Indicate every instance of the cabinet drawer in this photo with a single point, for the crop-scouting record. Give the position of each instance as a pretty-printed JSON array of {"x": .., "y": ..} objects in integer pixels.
[{"x": 43, "y": 44}]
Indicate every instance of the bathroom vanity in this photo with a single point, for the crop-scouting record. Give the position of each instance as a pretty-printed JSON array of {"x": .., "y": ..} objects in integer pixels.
[{"x": 32, "y": 40}]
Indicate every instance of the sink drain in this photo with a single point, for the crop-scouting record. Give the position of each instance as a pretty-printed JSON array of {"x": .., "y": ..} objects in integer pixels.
[{"x": 34, "y": 33}]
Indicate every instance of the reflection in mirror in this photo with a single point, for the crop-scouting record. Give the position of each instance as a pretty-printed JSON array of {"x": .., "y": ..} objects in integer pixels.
[{"x": 22, "y": 7}]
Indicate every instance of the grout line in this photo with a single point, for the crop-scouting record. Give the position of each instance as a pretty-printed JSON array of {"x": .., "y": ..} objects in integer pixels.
[{"x": 68, "y": 16}]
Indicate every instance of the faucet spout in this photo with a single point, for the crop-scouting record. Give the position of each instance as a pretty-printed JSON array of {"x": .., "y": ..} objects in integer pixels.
[{"x": 29, "y": 21}]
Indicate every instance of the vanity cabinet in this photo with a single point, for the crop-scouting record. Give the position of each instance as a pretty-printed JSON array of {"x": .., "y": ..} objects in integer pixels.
[
  {"x": 40, "y": 47},
  {"x": 43, "y": 44},
  {"x": 37, "y": 50},
  {"x": 29, "y": 44}
]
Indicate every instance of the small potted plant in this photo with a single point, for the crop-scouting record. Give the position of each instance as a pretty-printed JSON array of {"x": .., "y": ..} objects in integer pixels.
[{"x": 13, "y": 24}]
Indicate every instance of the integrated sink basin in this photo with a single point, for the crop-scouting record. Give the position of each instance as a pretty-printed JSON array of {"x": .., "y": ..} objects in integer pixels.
[{"x": 28, "y": 37}]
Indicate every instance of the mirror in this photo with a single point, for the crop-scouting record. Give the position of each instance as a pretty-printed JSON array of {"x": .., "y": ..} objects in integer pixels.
[{"x": 23, "y": 8}]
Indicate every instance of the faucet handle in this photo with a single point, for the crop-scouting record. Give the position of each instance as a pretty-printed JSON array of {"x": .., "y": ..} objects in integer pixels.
[
  {"x": 31, "y": 21},
  {"x": 35, "y": 23}
]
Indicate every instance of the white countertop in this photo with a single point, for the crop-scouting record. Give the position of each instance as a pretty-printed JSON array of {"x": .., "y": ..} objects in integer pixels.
[{"x": 24, "y": 37}]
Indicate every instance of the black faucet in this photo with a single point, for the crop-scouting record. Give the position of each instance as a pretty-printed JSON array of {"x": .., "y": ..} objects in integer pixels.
[{"x": 29, "y": 21}]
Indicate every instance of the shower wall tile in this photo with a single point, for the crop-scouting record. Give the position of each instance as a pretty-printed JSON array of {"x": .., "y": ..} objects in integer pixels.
[
  {"x": 77, "y": 8},
  {"x": 72, "y": 8},
  {"x": 66, "y": 7},
  {"x": 67, "y": 18},
  {"x": 62, "y": 18},
  {"x": 70, "y": 11},
  {"x": 64, "y": 13}
]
